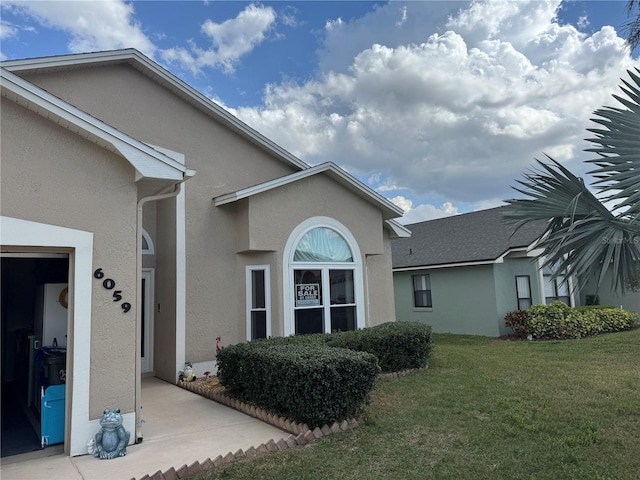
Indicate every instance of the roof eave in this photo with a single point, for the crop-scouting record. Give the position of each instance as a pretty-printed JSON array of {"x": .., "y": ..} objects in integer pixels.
[
  {"x": 162, "y": 76},
  {"x": 148, "y": 162},
  {"x": 389, "y": 210}
]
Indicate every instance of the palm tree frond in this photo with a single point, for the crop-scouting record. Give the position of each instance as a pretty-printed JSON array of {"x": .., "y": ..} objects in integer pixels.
[{"x": 618, "y": 148}]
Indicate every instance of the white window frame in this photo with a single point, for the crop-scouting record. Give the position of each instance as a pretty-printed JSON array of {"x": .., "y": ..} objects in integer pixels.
[
  {"x": 518, "y": 297},
  {"x": 150, "y": 250},
  {"x": 249, "y": 296},
  {"x": 289, "y": 266},
  {"x": 413, "y": 289}
]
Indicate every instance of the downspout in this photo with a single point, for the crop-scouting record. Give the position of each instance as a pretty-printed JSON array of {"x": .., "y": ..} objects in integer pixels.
[{"x": 152, "y": 198}]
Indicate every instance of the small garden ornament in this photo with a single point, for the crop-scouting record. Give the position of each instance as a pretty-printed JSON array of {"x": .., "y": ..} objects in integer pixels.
[
  {"x": 112, "y": 439},
  {"x": 187, "y": 374}
]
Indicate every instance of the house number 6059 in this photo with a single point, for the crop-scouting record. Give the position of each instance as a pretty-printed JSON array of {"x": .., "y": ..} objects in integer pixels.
[{"x": 110, "y": 284}]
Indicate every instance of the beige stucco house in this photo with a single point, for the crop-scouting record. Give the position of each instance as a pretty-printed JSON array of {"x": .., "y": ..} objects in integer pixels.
[{"x": 165, "y": 222}]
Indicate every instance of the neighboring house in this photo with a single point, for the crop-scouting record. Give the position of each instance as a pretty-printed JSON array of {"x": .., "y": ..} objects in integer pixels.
[
  {"x": 462, "y": 274},
  {"x": 164, "y": 222}
]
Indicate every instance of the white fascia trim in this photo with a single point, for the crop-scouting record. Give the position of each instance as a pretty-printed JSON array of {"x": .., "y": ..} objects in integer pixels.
[
  {"x": 152, "y": 68},
  {"x": 398, "y": 230},
  {"x": 500, "y": 259},
  {"x": 524, "y": 250},
  {"x": 149, "y": 162},
  {"x": 444, "y": 265},
  {"x": 16, "y": 232},
  {"x": 330, "y": 168}
]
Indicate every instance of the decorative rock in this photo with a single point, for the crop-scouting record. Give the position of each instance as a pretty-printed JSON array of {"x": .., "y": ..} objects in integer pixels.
[
  {"x": 194, "y": 468},
  {"x": 335, "y": 428},
  {"x": 171, "y": 474},
  {"x": 309, "y": 436},
  {"x": 291, "y": 441},
  {"x": 301, "y": 439},
  {"x": 317, "y": 433},
  {"x": 251, "y": 452},
  {"x": 206, "y": 465},
  {"x": 239, "y": 454},
  {"x": 182, "y": 471},
  {"x": 271, "y": 446},
  {"x": 262, "y": 448},
  {"x": 218, "y": 461},
  {"x": 325, "y": 430},
  {"x": 282, "y": 445},
  {"x": 228, "y": 458},
  {"x": 344, "y": 426}
]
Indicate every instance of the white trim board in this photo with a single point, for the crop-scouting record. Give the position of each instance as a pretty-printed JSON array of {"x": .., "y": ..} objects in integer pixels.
[
  {"x": 389, "y": 209},
  {"x": 164, "y": 78},
  {"x": 15, "y": 234},
  {"x": 288, "y": 265},
  {"x": 146, "y": 160}
]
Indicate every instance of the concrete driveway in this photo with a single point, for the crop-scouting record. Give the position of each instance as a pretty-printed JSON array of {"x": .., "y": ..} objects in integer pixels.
[{"x": 180, "y": 428}]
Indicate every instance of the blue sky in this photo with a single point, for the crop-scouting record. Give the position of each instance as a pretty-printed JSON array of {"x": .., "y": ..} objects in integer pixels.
[{"x": 440, "y": 106}]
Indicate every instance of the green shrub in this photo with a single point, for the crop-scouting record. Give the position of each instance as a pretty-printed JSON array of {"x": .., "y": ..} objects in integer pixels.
[
  {"x": 545, "y": 320},
  {"x": 320, "y": 378},
  {"x": 557, "y": 320},
  {"x": 398, "y": 345},
  {"x": 518, "y": 320},
  {"x": 301, "y": 380}
]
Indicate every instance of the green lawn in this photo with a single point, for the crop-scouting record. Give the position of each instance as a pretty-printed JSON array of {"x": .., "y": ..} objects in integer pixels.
[{"x": 488, "y": 409}]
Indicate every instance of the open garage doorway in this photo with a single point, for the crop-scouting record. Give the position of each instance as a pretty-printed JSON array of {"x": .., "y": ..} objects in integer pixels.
[{"x": 34, "y": 311}]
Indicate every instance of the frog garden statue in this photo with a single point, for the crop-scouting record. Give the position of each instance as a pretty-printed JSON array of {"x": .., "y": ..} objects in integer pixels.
[{"x": 112, "y": 439}]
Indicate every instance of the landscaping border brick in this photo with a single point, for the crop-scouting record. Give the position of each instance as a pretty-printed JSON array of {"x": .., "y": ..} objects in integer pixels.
[{"x": 300, "y": 435}]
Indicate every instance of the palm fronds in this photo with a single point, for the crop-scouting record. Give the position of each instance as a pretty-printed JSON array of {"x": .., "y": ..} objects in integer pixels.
[{"x": 584, "y": 238}]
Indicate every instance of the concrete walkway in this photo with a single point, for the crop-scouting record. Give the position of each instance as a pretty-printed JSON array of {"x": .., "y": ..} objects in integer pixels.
[{"x": 180, "y": 428}]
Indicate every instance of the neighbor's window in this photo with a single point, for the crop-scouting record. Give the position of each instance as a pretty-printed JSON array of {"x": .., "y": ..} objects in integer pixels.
[
  {"x": 555, "y": 289},
  {"x": 523, "y": 289},
  {"x": 422, "y": 291},
  {"x": 258, "y": 302}
]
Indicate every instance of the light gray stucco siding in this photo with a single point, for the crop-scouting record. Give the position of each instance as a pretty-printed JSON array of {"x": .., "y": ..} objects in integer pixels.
[
  {"x": 52, "y": 176},
  {"x": 464, "y": 300}
]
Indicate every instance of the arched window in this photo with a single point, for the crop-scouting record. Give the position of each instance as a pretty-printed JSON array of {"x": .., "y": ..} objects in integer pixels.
[
  {"x": 147, "y": 244},
  {"x": 323, "y": 279}
]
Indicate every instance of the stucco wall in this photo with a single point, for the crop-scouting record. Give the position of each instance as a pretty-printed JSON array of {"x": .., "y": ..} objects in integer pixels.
[
  {"x": 464, "y": 300},
  {"x": 629, "y": 301},
  {"x": 505, "y": 281},
  {"x": 50, "y": 175},
  {"x": 225, "y": 162},
  {"x": 379, "y": 286}
]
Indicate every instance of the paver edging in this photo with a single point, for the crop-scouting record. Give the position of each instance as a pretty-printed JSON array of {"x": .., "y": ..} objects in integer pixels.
[{"x": 299, "y": 435}]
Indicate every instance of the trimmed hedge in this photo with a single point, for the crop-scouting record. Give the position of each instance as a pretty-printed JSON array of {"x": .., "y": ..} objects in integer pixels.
[
  {"x": 320, "y": 378},
  {"x": 306, "y": 382},
  {"x": 558, "y": 320},
  {"x": 398, "y": 345}
]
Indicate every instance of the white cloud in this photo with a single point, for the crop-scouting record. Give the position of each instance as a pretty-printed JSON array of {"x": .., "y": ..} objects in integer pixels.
[
  {"x": 93, "y": 26},
  {"x": 458, "y": 114},
  {"x": 7, "y": 30},
  {"x": 230, "y": 40},
  {"x": 583, "y": 22},
  {"x": 423, "y": 212}
]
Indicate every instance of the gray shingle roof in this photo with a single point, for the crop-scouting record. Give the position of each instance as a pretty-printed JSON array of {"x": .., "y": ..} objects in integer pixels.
[{"x": 470, "y": 237}]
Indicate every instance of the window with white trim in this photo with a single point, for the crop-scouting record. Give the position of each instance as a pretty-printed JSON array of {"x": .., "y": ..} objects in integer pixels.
[
  {"x": 555, "y": 289},
  {"x": 147, "y": 244},
  {"x": 523, "y": 291},
  {"x": 422, "y": 291},
  {"x": 258, "y": 302},
  {"x": 325, "y": 281}
]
